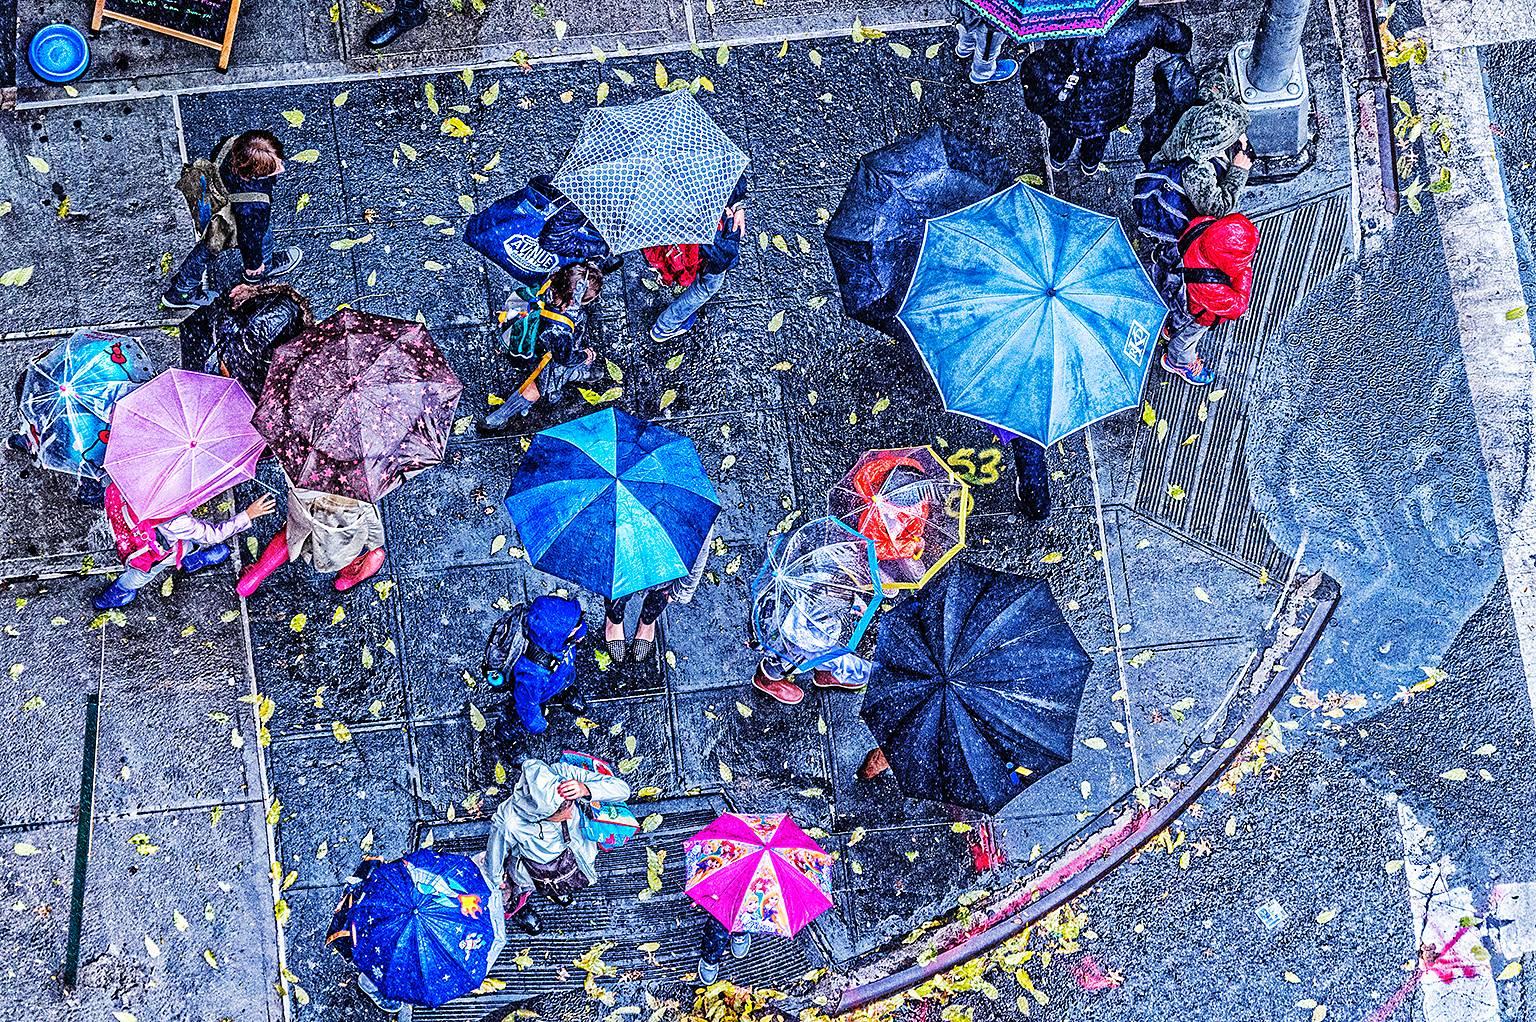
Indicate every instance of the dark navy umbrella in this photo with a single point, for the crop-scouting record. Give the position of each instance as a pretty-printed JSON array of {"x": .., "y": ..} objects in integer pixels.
[
  {"x": 426, "y": 927},
  {"x": 875, "y": 235},
  {"x": 975, "y": 689}
]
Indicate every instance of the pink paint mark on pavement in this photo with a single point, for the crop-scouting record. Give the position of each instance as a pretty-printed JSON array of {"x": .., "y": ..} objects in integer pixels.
[{"x": 1090, "y": 975}]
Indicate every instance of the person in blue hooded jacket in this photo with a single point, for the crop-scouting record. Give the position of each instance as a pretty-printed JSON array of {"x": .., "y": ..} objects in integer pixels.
[{"x": 535, "y": 648}]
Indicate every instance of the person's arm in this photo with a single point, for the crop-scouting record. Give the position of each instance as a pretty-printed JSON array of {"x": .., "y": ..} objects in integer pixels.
[
  {"x": 190, "y": 529},
  {"x": 497, "y": 846},
  {"x": 600, "y": 788},
  {"x": 1214, "y": 194},
  {"x": 1173, "y": 35}
]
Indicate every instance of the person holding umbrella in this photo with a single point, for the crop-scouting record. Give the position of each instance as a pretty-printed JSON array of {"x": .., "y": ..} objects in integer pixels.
[
  {"x": 716, "y": 259},
  {"x": 333, "y": 533}
]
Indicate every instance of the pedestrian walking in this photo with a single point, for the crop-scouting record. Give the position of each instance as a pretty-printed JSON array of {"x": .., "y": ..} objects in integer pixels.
[
  {"x": 715, "y": 260},
  {"x": 335, "y": 534},
  {"x": 230, "y": 195},
  {"x": 775, "y": 676},
  {"x": 1083, "y": 88},
  {"x": 149, "y": 547},
  {"x": 1200, "y": 171},
  {"x": 342, "y": 937},
  {"x": 236, "y": 334},
  {"x": 1217, "y": 271},
  {"x": 548, "y": 332},
  {"x": 408, "y": 14},
  {"x": 983, "y": 43},
  {"x": 537, "y": 839},
  {"x": 532, "y": 651},
  {"x": 653, "y": 602},
  {"x": 1031, "y": 477},
  {"x": 717, "y": 939}
]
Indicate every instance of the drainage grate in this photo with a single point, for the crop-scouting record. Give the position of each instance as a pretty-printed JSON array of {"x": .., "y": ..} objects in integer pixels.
[
  {"x": 1302, "y": 247},
  {"x": 613, "y": 912}
]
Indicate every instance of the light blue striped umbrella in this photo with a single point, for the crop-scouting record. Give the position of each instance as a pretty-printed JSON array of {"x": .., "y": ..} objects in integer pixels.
[
  {"x": 66, "y": 397},
  {"x": 1032, "y": 314}
]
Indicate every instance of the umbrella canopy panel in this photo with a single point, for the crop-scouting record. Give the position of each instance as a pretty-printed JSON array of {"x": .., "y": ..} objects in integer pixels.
[
  {"x": 1052, "y": 19},
  {"x": 911, "y": 505},
  {"x": 1032, "y": 314},
  {"x": 652, "y": 173},
  {"x": 816, "y": 593},
  {"x": 65, "y": 397},
  {"x": 758, "y": 874},
  {"x": 874, "y": 236},
  {"x": 612, "y": 503},
  {"x": 976, "y": 688}
]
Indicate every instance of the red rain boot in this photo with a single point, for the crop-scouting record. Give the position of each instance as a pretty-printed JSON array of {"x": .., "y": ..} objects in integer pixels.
[
  {"x": 364, "y": 566},
  {"x": 272, "y": 558}
]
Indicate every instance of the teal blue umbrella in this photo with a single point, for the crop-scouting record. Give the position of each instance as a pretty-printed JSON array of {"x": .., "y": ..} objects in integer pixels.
[
  {"x": 1032, "y": 314},
  {"x": 66, "y": 397}
]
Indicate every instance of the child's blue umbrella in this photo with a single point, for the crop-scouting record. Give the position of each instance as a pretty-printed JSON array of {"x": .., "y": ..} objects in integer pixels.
[
  {"x": 816, "y": 593},
  {"x": 425, "y": 928},
  {"x": 1032, "y": 314},
  {"x": 975, "y": 689},
  {"x": 612, "y": 503},
  {"x": 66, "y": 398}
]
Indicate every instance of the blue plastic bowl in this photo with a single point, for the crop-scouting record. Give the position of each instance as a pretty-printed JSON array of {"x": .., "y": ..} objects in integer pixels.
[{"x": 58, "y": 54}]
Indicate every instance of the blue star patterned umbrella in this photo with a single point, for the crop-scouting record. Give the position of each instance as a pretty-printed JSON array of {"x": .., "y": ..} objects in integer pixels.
[
  {"x": 424, "y": 927},
  {"x": 1032, "y": 314},
  {"x": 975, "y": 689},
  {"x": 652, "y": 173},
  {"x": 1052, "y": 19},
  {"x": 612, "y": 503},
  {"x": 66, "y": 398}
]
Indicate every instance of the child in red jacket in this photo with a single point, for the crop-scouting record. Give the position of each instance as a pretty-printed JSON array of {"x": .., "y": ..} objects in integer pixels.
[{"x": 1218, "y": 279}]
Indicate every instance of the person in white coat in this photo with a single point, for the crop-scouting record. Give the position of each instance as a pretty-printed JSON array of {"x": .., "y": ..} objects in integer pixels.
[{"x": 536, "y": 837}]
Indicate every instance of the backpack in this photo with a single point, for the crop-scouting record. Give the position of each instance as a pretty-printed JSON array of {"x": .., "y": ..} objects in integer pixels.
[
  {"x": 678, "y": 265},
  {"x": 507, "y": 233},
  {"x": 1163, "y": 210},
  {"x": 1200, "y": 274},
  {"x": 209, "y": 199},
  {"x": 519, "y": 326},
  {"x": 505, "y": 644},
  {"x": 608, "y": 824},
  {"x": 138, "y": 545}
]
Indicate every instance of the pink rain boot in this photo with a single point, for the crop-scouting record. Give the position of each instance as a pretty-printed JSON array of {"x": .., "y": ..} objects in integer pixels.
[{"x": 272, "y": 558}]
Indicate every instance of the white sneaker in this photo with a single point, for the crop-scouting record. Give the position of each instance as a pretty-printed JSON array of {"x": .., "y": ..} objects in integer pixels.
[
  {"x": 741, "y": 943},
  {"x": 708, "y": 972}
]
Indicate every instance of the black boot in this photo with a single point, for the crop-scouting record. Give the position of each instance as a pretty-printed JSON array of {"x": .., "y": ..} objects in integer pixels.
[
  {"x": 573, "y": 699},
  {"x": 408, "y": 14},
  {"x": 527, "y": 920}
]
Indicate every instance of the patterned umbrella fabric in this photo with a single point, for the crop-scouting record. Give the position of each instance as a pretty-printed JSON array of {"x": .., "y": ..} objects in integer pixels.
[
  {"x": 874, "y": 236},
  {"x": 179, "y": 440},
  {"x": 976, "y": 686},
  {"x": 1032, "y": 314},
  {"x": 65, "y": 398},
  {"x": 426, "y": 927},
  {"x": 758, "y": 874},
  {"x": 652, "y": 173},
  {"x": 816, "y": 593},
  {"x": 911, "y": 505},
  {"x": 1052, "y": 19},
  {"x": 357, "y": 404},
  {"x": 612, "y": 503}
]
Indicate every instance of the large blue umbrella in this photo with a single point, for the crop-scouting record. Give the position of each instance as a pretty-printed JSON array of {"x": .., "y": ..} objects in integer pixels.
[
  {"x": 816, "y": 593},
  {"x": 652, "y": 173},
  {"x": 612, "y": 503},
  {"x": 425, "y": 927},
  {"x": 975, "y": 688},
  {"x": 1032, "y": 313},
  {"x": 66, "y": 396}
]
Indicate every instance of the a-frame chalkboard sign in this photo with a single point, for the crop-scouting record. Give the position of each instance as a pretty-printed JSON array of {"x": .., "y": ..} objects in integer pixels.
[{"x": 209, "y": 23}]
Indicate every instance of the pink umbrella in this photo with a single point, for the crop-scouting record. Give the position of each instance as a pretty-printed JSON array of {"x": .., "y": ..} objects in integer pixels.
[
  {"x": 758, "y": 874},
  {"x": 180, "y": 439}
]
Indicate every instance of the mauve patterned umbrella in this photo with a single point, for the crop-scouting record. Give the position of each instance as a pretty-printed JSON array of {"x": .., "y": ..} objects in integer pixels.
[
  {"x": 180, "y": 439},
  {"x": 357, "y": 404}
]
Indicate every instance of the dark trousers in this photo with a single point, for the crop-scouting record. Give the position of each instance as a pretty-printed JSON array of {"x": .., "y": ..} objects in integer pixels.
[
  {"x": 189, "y": 277},
  {"x": 1090, "y": 153},
  {"x": 716, "y": 939},
  {"x": 411, "y": 8},
  {"x": 650, "y": 610},
  {"x": 1034, "y": 479}
]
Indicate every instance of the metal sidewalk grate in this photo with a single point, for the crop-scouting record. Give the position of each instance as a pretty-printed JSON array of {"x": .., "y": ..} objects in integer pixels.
[
  {"x": 613, "y": 911},
  {"x": 1301, "y": 248}
]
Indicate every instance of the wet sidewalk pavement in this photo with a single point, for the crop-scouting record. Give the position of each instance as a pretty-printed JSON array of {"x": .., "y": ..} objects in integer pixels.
[{"x": 376, "y": 737}]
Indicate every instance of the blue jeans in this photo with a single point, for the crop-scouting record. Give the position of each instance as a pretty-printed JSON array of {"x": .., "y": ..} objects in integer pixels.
[
  {"x": 984, "y": 42},
  {"x": 704, "y": 287},
  {"x": 716, "y": 939},
  {"x": 188, "y": 279},
  {"x": 1184, "y": 333}
]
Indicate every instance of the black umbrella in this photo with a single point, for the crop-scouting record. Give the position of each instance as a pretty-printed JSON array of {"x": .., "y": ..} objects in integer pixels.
[
  {"x": 975, "y": 689},
  {"x": 875, "y": 234}
]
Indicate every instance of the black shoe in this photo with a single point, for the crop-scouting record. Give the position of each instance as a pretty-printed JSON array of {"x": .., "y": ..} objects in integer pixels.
[
  {"x": 573, "y": 699},
  {"x": 612, "y": 265},
  {"x": 527, "y": 920},
  {"x": 394, "y": 26},
  {"x": 281, "y": 263},
  {"x": 563, "y": 900},
  {"x": 177, "y": 300},
  {"x": 483, "y": 428}
]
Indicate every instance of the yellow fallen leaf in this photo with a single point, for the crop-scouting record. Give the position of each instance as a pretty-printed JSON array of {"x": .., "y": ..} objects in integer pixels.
[
  {"x": 340, "y": 732},
  {"x": 455, "y": 128},
  {"x": 305, "y": 156},
  {"x": 1095, "y": 743},
  {"x": 960, "y": 828},
  {"x": 1509, "y": 971},
  {"x": 476, "y": 718},
  {"x": 295, "y": 118},
  {"x": 725, "y": 773},
  {"x": 38, "y": 164},
  {"x": 1457, "y": 774},
  {"x": 298, "y": 622}
]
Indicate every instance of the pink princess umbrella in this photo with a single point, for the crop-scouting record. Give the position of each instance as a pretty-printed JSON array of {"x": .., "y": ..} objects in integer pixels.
[
  {"x": 180, "y": 439},
  {"x": 758, "y": 874}
]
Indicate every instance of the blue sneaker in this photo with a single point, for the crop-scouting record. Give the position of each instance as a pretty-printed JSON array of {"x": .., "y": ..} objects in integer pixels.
[
  {"x": 205, "y": 557},
  {"x": 1005, "y": 70},
  {"x": 1197, "y": 373},
  {"x": 666, "y": 335},
  {"x": 115, "y": 595}
]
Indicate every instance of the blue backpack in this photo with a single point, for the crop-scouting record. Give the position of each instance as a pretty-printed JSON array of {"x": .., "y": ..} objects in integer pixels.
[
  {"x": 1163, "y": 210},
  {"x": 507, "y": 232}
]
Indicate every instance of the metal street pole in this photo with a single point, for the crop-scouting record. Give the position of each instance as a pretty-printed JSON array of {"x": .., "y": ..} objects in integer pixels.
[{"x": 1271, "y": 76}]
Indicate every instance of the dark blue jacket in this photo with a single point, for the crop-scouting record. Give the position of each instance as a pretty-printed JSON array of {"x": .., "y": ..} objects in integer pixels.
[
  {"x": 548, "y": 626},
  {"x": 568, "y": 233},
  {"x": 252, "y": 219},
  {"x": 723, "y": 252},
  {"x": 1101, "y": 101}
]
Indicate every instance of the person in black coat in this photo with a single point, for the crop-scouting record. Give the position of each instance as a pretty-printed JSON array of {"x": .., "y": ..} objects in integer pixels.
[{"x": 1084, "y": 88}]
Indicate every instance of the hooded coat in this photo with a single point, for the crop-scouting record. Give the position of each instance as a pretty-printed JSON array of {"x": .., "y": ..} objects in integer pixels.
[
  {"x": 521, "y": 828},
  {"x": 553, "y": 625},
  {"x": 1101, "y": 100},
  {"x": 1200, "y": 143},
  {"x": 1226, "y": 246},
  {"x": 329, "y": 530}
]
